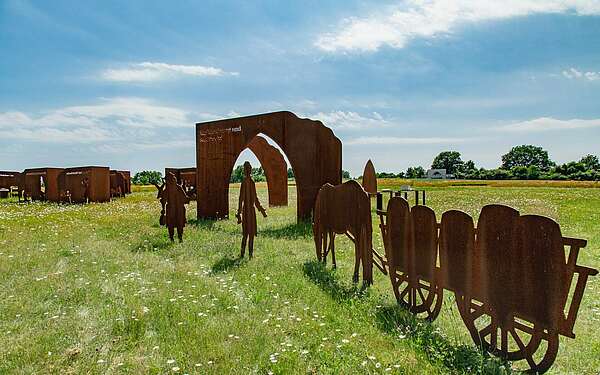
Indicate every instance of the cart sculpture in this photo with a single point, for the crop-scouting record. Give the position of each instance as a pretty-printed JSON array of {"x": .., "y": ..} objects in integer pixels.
[{"x": 510, "y": 275}]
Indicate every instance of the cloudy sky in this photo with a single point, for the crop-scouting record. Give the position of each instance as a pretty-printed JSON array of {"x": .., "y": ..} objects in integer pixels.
[{"x": 121, "y": 83}]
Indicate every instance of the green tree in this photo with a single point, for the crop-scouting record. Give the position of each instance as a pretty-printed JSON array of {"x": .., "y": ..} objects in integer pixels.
[
  {"x": 415, "y": 172},
  {"x": 258, "y": 174},
  {"x": 147, "y": 178},
  {"x": 448, "y": 160},
  {"x": 525, "y": 156},
  {"x": 519, "y": 172},
  {"x": 591, "y": 162},
  {"x": 346, "y": 175},
  {"x": 238, "y": 174},
  {"x": 290, "y": 173}
]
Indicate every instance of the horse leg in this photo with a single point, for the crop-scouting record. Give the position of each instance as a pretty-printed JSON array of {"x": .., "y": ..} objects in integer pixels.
[
  {"x": 318, "y": 242},
  {"x": 357, "y": 257},
  {"x": 325, "y": 248},
  {"x": 332, "y": 234}
]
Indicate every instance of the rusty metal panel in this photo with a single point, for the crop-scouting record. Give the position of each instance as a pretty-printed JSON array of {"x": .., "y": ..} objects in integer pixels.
[
  {"x": 35, "y": 178},
  {"x": 425, "y": 240},
  {"x": 457, "y": 247},
  {"x": 314, "y": 152},
  {"x": 400, "y": 234},
  {"x": 541, "y": 273},
  {"x": 275, "y": 167},
  {"x": 496, "y": 262},
  {"x": 369, "y": 178},
  {"x": 82, "y": 184}
]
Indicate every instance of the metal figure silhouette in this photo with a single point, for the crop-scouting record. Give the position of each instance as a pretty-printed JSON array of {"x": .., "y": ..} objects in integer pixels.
[
  {"x": 175, "y": 199},
  {"x": 246, "y": 214}
]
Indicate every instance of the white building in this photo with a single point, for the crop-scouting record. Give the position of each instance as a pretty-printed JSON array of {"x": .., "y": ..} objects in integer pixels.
[{"x": 437, "y": 174}]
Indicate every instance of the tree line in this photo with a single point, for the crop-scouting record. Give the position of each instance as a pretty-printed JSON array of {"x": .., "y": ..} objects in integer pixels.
[
  {"x": 524, "y": 162},
  {"x": 237, "y": 175}
]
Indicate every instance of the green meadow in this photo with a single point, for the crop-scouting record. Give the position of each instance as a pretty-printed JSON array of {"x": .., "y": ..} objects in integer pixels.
[{"x": 100, "y": 289}]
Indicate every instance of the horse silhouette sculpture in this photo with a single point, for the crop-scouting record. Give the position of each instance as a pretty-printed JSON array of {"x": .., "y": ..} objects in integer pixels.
[{"x": 344, "y": 209}]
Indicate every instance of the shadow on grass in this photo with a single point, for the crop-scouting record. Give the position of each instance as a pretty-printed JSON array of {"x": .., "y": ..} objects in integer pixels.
[
  {"x": 290, "y": 231},
  {"x": 227, "y": 263},
  {"x": 151, "y": 243},
  {"x": 426, "y": 338},
  {"x": 327, "y": 280},
  {"x": 202, "y": 223}
]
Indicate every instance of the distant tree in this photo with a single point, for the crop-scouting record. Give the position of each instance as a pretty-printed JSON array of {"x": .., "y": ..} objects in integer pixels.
[
  {"x": 591, "y": 162},
  {"x": 533, "y": 172},
  {"x": 525, "y": 156},
  {"x": 237, "y": 175},
  {"x": 415, "y": 172},
  {"x": 469, "y": 165},
  {"x": 147, "y": 178},
  {"x": 448, "y": 160},
  {"x": 346, "y": 175},
  {"x": 290, "y": 173},
  {"x": 519, "y": 172}
]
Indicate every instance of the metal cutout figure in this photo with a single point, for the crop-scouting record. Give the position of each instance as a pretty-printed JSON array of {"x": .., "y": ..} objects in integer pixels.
[
  {"x": 345, "y": 209},
  {"x": 175, "y": 200},
  {"x": 245, "y": 213}
]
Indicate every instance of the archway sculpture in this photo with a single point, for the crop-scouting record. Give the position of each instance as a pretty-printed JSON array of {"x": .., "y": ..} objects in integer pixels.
[
  {"x": 275, "y": 167},
  {"x": 314, "y": 152}
]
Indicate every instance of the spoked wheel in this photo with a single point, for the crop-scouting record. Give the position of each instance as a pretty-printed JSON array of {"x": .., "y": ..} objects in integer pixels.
[
  {"x": 420, "y": 297},
  {"x": 517, "y": 340}
]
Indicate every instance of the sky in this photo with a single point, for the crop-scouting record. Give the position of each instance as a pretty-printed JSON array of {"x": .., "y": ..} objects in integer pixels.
[{"x": 122, "y": 83}]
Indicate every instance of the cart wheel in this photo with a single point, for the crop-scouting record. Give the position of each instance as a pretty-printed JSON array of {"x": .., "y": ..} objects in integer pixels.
[
  {"x": 420, "y": 297},
  {"x": 513, "y": 341}
]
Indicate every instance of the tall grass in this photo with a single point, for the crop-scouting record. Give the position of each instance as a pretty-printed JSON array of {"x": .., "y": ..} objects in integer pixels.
[{"x": 100, "y": 289}]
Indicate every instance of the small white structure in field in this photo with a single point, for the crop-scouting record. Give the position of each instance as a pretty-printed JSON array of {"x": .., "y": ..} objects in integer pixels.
[{"x": 437, "y": 174}]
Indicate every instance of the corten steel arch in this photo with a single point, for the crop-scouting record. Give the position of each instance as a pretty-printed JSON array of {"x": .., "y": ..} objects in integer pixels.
[
  {"x": 314, "y": 152},
  {"x": 275, "y": 167}
]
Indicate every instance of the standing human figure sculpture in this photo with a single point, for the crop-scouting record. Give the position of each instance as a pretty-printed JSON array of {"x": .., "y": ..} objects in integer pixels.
[
  {"x": 246, "y": 214},
  {"x": 176, "y": 199},
  {"x": 86, "y": 189}
]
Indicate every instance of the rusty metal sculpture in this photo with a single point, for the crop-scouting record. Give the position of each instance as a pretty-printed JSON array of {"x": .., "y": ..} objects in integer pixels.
[
  {"x": 245, "y": 213},
  {"x": 11, "y": 181},
  {"x": 369, "y": 179},
  {"x": 41, "y": 184},
  {"x": 118, "y": 184},
  {"x": 510, "y": 275},
  {"x": 345, "y": 209},
  {"x": 84, "y": 184},
  {"x": 275, "y": 167},
  {"x": 186, "y": 177},
  {"x": 314, "y": 152},
  {"x": 127, "y": 177},
  {"x": 174, "y": 198}
]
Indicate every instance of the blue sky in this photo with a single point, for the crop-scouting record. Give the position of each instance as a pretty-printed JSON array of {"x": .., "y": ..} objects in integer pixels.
[{"x": 123, "y": 83}]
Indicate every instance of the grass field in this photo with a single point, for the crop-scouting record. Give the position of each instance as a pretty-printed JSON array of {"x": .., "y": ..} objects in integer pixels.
[{"x": 100, "y": 289}]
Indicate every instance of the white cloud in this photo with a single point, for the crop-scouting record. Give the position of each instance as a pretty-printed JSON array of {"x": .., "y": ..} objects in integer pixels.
[
  {"x": 395, "y": 26},
  {"x": 573, "y": 73},
  {"x": 340, "y": 120},
  {"x": 548, "y": 123},
  {"x": 154, "y": 71},
  {"x": 116, "y": 119},
  {"x": 403, "y": 141}
]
